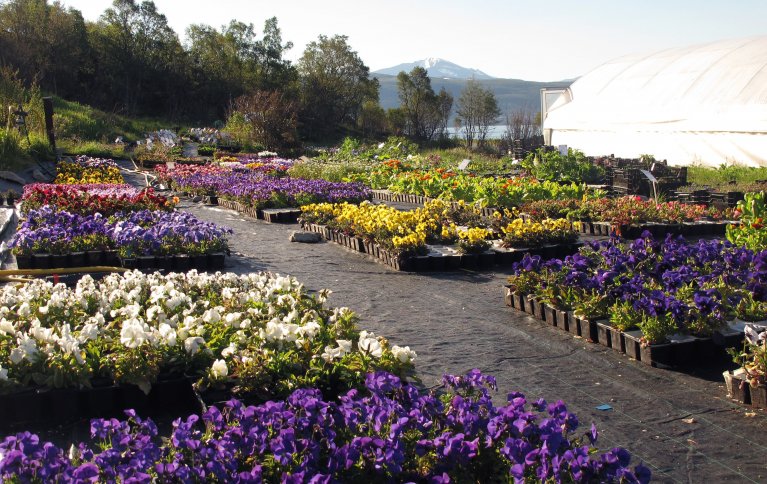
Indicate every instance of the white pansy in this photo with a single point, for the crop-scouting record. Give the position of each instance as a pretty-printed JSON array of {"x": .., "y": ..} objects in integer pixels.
[
  {"x": 232, "y": 319},
  {"x": 219, "y": 369},
  {"x": 192, "y": 344},
  {"x": 310, "y": 330},
  {"x": 345, "y": 345},
  {"x": 7, "y": 328},
  {"x": 89, "y": 331},
  {"x": 24, "y": 310},
  {"x": 403, "y": 353},
  {"x": 211, "y": 315},
  {"x": 168, "y": 334},
  {"x": 369, "y": 344},
  {"x": 229, "y": 350},
  {"x": 331, "y": 354},
  {"x": 132, "y": 334}
]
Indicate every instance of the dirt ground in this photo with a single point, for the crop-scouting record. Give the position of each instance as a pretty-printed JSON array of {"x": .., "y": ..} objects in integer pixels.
[{"x": 681, "y": 425}]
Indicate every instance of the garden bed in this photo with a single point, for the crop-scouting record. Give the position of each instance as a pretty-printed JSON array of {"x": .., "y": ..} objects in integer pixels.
[
  {"x": 679, "y": 351},
  {"x": 440, "y": 257}
]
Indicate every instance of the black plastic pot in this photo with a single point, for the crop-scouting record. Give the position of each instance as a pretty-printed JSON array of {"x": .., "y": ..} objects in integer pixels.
[
  {"x": 59, "y": 261},
  {"x": 41, "y": 261},
  {"x": 24, "y": 262},
  {"x": 94, "y": 258}
]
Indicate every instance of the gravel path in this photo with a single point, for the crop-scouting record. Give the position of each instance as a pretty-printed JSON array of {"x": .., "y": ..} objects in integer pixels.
[{"x": 457, "y": 321}]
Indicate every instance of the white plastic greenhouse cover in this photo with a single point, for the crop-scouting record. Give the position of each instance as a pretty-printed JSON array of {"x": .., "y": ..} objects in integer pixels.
[{"x": 703, "y": 104}]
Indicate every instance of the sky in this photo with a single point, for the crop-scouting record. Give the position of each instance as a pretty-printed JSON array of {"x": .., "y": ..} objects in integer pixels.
[{"x": 532, "y": 40}]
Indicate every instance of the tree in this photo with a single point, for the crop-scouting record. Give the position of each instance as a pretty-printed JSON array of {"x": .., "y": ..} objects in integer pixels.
[
  {"x": 268, "y": 118},
  {"x": 426, "y": 112},
  {"x": 334, "y": 85},
  {"x": 523, "y": 125},
  {"x": 477, "y": 111},
  {"x": 139, "y": 57},
  {"x": 372, "y": 119},
  {"x": 43, "y": 42}
]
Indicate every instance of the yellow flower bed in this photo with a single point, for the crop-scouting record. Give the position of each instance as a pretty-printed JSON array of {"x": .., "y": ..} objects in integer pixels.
[
  {"x": 527, "y": 233},
  {"x": 391, "y": 228},
  {"x": 74, "y": 174}
]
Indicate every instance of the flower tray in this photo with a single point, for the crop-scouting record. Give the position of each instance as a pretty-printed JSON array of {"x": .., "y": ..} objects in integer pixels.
[
  {"x": 388, "y": 196},
  {"x": 679, "y": 351},
  {"x": 176, "y": 263},
  {"x": 59, "y": 406},
  {"x": 68, "y": 261},
  {"x": 702, "y": 228},
  {"x": 242, "y": 208},
  {"x": 281, "y": 215},
  {"x": 271, "y": 215}
]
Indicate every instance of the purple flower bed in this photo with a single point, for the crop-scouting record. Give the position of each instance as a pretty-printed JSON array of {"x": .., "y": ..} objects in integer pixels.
[
  {"x": 164, "y": 233},
  {"x": 145, "y": 232},
  {"x": 88, "y": 162},
  {"x": 268, "y": 192},
  {"x": 253, "y": 188},
  {"x": 390, "y": 432},
  {"x": 659, "y": 286}
]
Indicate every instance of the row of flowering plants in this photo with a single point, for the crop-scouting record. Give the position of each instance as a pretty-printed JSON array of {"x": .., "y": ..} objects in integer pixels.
[
  {"x": 451, "y": 185},
  {"x": 438, "y": 222},
  {"x": 388, "y": 431},
  {"x": 260, "y": 185},
  {"x": 751, "y": 232},
  {"x": 86, "y": 199},
  {"x": 132, "y": 233},
  {"x": 86, "y": 170},
  {"x": 259, "y": 335},
  {"x": 662, "y": 287},
  {"x": 626, "y": 210}
]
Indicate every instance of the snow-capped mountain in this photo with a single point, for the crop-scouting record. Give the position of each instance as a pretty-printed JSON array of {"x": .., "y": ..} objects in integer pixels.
[{"x": 436, "y": 67}]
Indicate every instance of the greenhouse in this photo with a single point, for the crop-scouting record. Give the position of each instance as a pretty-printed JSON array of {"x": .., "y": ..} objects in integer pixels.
[{"x": 704, "y": 104}]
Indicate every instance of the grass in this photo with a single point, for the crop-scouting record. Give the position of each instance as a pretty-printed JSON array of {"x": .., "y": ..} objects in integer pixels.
[
  {"x": 84, "y": 123},
  {"x": 724, "y": 175},
  {"x": 17, "y": 153}
]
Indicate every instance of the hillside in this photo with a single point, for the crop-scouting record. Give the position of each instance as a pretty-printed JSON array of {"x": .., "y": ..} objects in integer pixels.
[{"x": 511, "y": 94}]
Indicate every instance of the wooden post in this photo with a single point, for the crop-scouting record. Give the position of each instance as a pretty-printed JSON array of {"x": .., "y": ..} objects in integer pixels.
[{"x": 48, "y": 108}]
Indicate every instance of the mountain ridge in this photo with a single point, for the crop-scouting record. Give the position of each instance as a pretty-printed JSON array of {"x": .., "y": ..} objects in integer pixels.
[
  {"x": 511, "y": 94},
  {"x": 437, "y": 68}
]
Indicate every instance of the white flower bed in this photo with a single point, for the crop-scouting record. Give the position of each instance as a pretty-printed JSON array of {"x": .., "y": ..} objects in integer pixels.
[{"x": 261, "y": 332}]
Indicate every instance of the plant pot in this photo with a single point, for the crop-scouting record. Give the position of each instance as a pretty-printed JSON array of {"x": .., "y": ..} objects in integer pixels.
[
  {"x": 111, "y": 258},
  {"x": 564, "y": 322},
  {"x": 660, "y": 354},
  {"x": 469, "y": 261},
  {"x": 549, "y": 314},
  {"x": 617, "y": 343},
  {"x": 41, "y": 261},
  {"x": 758, "y": 396},
  {"x": 146, "y": 262},
  {"x": 486, "y": 259},
  {"x": 604, "y": 334},
  {"x": 437, "y": 262},
  {"x": 94, "y": 258},
  {"x": 77, "y": 259},
  {"x": 200, "y": 262},
  {"x": 59, "y": 261},
  {"x": 216, "y": 261},
  {"x": 129, "y": 263},
  {"x": 632, "y": 341},
  {"x": 24, "y": 261},
  {"x": 182, "y": 262},
  {"x": 452, "y": 262},
  {"x": 737, "y": 386},
  {"x": 588, "y": 330}
]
